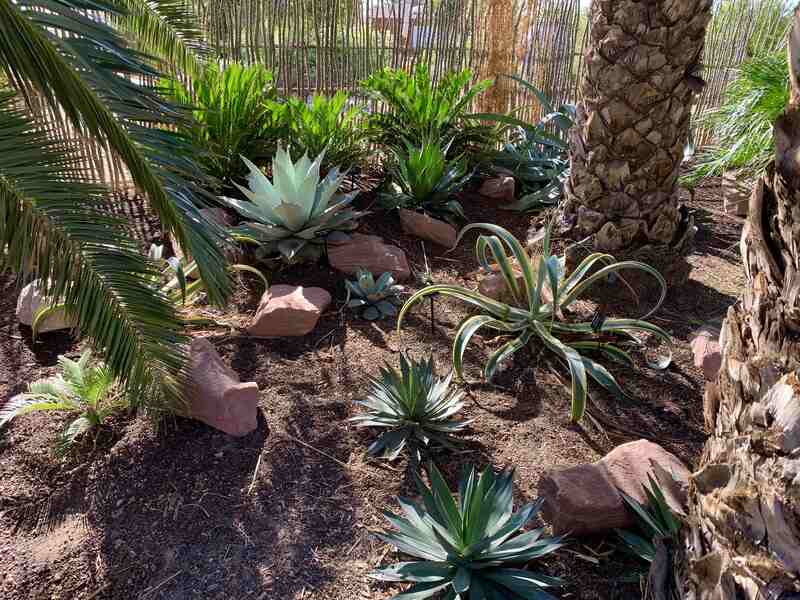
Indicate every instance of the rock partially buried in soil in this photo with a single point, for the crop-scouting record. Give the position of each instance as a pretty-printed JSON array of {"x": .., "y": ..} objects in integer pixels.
[
  {"x": 428, "y": 228},
  {"x": 500, "y": 188},
  {"x": 359, "y": 251},
  {"x": 30, "y": 300},
  {"x": 586, "y": 500},
  {"x": 707, "y": 353},
  {"x": 289, "y": 311},
  {"x": 218, "y": 398}
]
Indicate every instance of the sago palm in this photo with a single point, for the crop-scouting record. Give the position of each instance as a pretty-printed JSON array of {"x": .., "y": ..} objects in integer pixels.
[
  {"x": 51, "y": 224},
  {"x": 83, "y": 389}
]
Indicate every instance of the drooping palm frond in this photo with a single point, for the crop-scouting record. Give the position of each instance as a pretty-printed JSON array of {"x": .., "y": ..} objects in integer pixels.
[
  {"x": 83, "y": 67},
  {"x": 50, "y": 226},
  {"x": 169, "y": 30}
]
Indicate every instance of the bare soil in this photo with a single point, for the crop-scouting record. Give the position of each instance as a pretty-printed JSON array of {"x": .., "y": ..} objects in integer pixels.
[{"x": 177, "y": 510}]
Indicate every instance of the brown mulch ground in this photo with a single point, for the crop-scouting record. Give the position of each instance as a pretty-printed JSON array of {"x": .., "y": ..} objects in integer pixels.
[{"x": 182, "y": 511}]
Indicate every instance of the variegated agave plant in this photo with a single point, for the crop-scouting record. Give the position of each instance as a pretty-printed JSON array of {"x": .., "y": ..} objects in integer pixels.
[
  {"x": 289, "y": 217},
  {"x": 531, "y": 317}
]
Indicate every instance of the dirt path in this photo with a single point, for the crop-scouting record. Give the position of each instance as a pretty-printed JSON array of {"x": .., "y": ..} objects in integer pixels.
[{"x": 183, "y": 511}]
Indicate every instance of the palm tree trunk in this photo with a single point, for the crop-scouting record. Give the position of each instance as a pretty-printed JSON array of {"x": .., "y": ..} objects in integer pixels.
[
  {"x": 744, "y": 539},
  {"x": 633, "y": 123}
]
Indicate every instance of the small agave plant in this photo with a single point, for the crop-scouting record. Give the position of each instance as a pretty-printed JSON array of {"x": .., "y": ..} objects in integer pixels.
[
  {"x": 416, "y": 407},
  {"x": 470, "y": 547},
  {"x": 374, "y": 299},
  {"x": 290, "y": 216}
]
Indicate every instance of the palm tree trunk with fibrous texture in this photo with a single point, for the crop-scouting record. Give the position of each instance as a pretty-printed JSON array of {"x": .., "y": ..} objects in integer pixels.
[
  {"x": 633, "y": 125},
  {"x": 744, "y": 535}
]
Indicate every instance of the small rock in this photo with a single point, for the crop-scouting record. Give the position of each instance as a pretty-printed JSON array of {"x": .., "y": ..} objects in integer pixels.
[
  {"x": 736, "y": 194},
  {"x": 501, "y": 188},
  {"x": 217, "y": 397},
  {"x": 368, "y": 252},
  {"x": 707, "y": 354},
  {"x": 428, "y": 228},
  {"x": 29, "y": 301},
  {"x": 586, "y": 500},
  {"x": 288, "y": 311},
  {"x": 493, "y": 285}
]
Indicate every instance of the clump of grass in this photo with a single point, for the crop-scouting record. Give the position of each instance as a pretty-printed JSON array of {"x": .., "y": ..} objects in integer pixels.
[{"x": 742, "y": 124}]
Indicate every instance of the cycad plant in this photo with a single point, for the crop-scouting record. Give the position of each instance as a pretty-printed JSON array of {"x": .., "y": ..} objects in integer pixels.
[
  {"x": 81, "y": 388},
  {"x": 742, "y": 126},
  {"x": 414, "y": 405},
  {"x": 373, "y": 299},
  {"x": 424, "y": 179},
  {"x": 537, "y": 153},
  {"x": 469, "y": 547},
  {"x": 51, "y": 225},
  {"x": 531, "y": 318},
  {"x": 234, "y": 115},
  {"x": 417, "y": 110},
  {"x": 326, "y": 124},
  {"x": 290, "y": 216}
]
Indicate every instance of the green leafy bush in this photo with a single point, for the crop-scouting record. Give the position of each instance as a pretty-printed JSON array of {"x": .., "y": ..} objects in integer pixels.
[
  {"x": 373, "y": 299},
  {"x": 417, "y": 110},
  {"x": 326, "y": 123},
  {"x": 414, "y": 405},
  {"x": 468, "y": 545},
  {"x": 233, "y": 116},
  {"x": 290, "y": 216},
  {"x": 742, "y": 125},
  {"x": 424, "y": 179},
  {"x": 538, "y": 153},
  {"x": 533, "y": 317},
  {"x": 80, "y": 388}
]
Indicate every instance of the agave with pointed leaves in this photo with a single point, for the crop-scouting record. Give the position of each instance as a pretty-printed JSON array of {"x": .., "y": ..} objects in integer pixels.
[
  {"x": 426, "y": 180},
  {"x": 290, "y": 216},
  {"x": 373, "y": 299},
  {"x": 80, "y": 388},
  {"x": 534, "y": 317},
  {"x": 471, "y": 547},
  {"x": 415, "y": 405}
]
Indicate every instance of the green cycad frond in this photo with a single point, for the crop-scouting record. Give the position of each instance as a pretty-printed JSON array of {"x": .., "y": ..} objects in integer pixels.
[
  {"x": 83, "y": 67},
  {"x": 166, "y": 29},
  {"x": 50, "y": 227}
]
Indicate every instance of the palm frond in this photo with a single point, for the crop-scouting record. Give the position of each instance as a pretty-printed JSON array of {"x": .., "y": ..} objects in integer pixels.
[
  {"x": 49, "y": 223},
  {"x": 82, "y": 67},
  {"x": 169, "y": 30}
]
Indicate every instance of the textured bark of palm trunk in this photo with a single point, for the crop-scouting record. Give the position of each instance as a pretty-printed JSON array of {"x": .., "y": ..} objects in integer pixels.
[
  {"x": 633, "y": 124},
  {"x": 744, "y": 535}
]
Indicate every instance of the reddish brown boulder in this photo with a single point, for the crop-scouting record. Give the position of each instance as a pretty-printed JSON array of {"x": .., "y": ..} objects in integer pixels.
[
  {"x": 585, "y": 499},
  {"x": 288, "y": 311},
  {"x": 498, "y": 188},
  {"x": 707, "y": 354},
  {"x": 428, "y": 228},
  {"x": 217, "y": 396},
  {"x": 368, "y": 252}
]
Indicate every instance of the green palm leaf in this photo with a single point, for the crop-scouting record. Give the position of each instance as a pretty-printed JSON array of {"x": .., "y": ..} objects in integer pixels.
[
  {"x": 166, "y": 29},
  {"x": 82, "y": 67},
  {"x": 48, "y": 221}
]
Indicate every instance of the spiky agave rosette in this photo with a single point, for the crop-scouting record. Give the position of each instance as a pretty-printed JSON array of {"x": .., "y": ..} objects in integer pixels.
[
  {"x": 415, "y": 405},
  {"x": 373, "y": 299},
  {"x": 471, "y": 547},
  {"x": 290, "y": 216}
]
